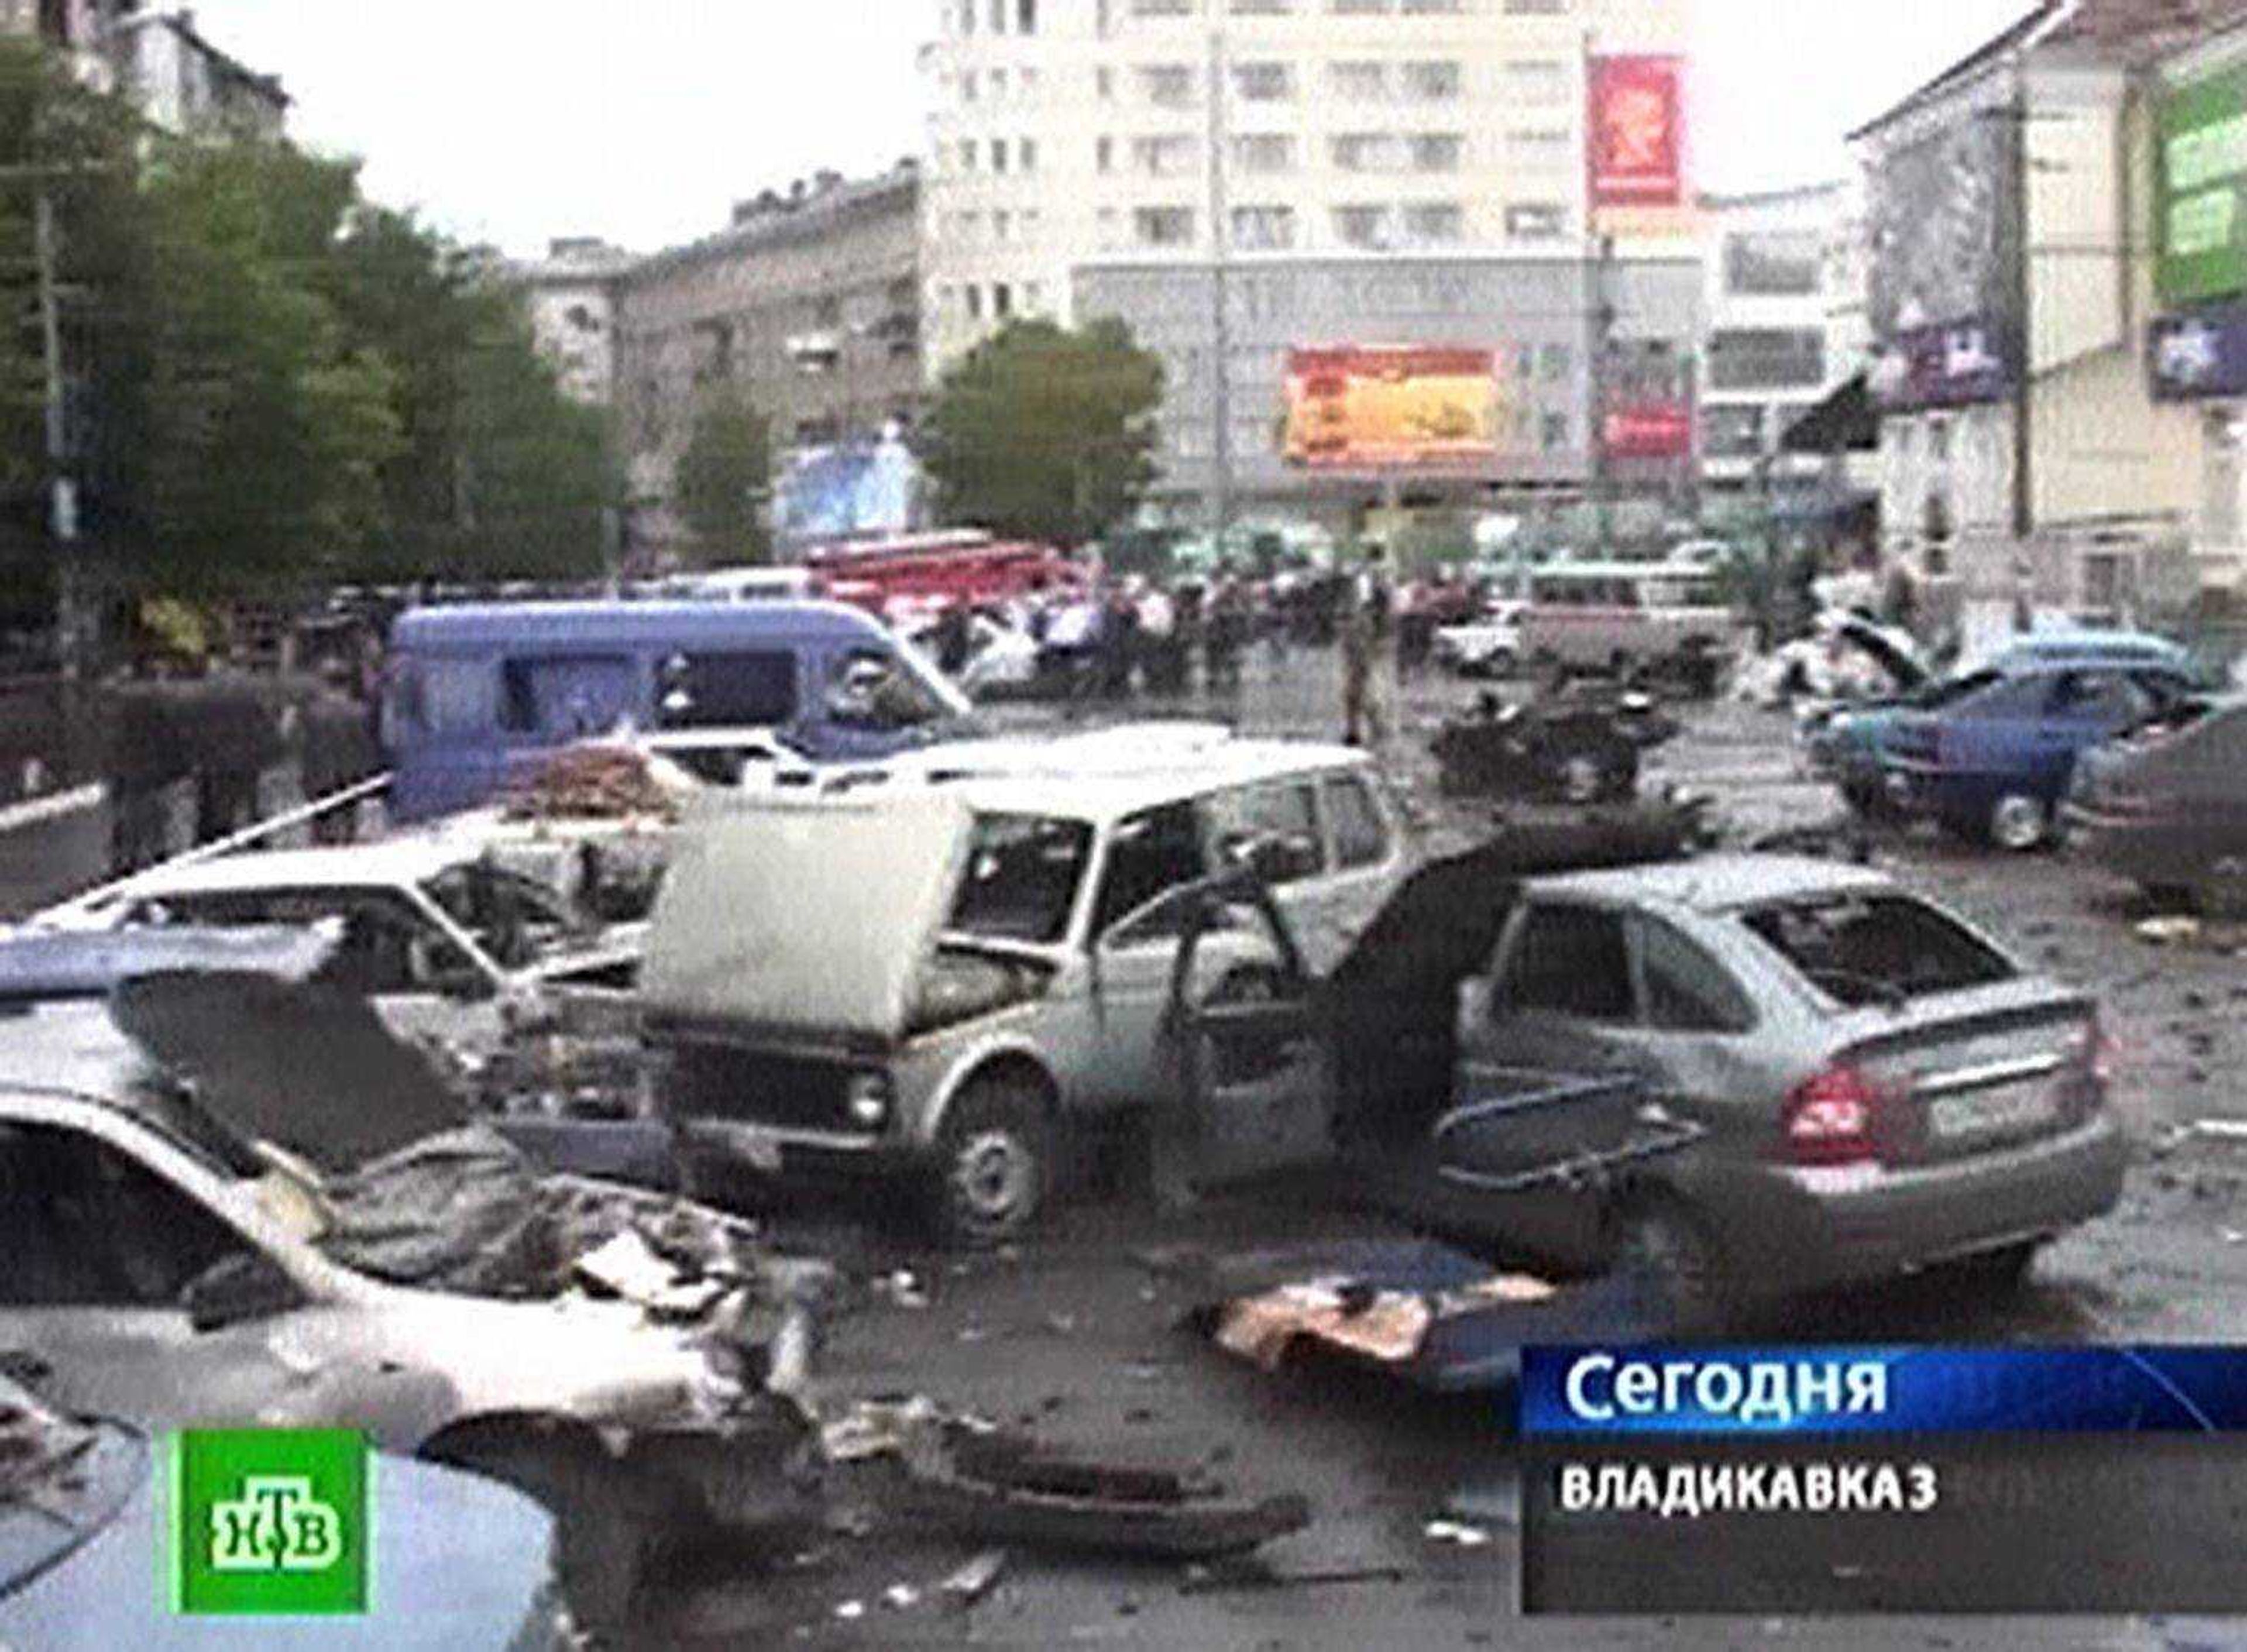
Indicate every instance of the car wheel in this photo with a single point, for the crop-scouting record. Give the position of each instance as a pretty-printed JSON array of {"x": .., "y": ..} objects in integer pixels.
[
  {"x": 2019, "y": 823},
  {"x": 1662, "y": 1243},
  {"x": 1583, "y": 777},
  {"x": 1619, "y": 782},
  {"x": 994, "y": 1163}
]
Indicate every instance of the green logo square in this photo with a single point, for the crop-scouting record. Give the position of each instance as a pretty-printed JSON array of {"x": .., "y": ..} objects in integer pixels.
[{"x": 269, "y": 1522}]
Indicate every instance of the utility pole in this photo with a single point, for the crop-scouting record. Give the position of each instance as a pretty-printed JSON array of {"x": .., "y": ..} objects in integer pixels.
[
  {"x": 1221, "y": 327},
  {"x": 1599, "y": 319},
  {"x": 62, "y": 496},
  {"x": 2023, "y": 343}
]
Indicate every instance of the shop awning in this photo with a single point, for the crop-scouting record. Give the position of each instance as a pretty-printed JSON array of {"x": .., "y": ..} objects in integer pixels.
[{"x": 1845, "y": 422}]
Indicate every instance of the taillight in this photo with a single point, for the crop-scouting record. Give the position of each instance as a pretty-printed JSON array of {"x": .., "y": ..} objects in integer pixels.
[{"x": 1836, "y": 1117}]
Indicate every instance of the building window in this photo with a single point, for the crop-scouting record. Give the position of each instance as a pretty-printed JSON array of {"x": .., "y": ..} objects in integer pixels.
[
  {"x": 1163, "y": 157},
  {"x": 1938, "y": 440},
  {"x": 999, "y": 85},
  {"x": 998, "y": 155},
  {"x": 1026, "y": 17},
  {"x": 1002, "y": 226},
  {"x": 1034, "y": 297},
  {"x": 1732, "y": 432},
  {"x": 1264, "y": 153},
  {"x": 1263, "y": 82},
  {"x": 1263, "y": 228},
  {"x": 1103, "y": 80},
  {"x": 967, "y": 154},
  {"x": 1434, "y": 224},
  {"x": 1434, "y": 8},
  {"x": 1539, "y": 143},
  {"x": 1368, "y": 152},
  {"x": 1537, "y": 80},
  {"x": 1536, "y": 8},
  {"x": 1432, "y": 82},
  {"x": 1162, "y": 7},
  {"x": 1359, "y": 82},
  {"x": 1261, "y": 8},
  {"x": 1026, "y": 153},
  {"x": 1103, "y": 153},
  {"x": 1164, "y": 226},
  {"x": 1366, "y": 228},
  {"x": 1536, "y": 222},
  {"x": 968, "y": 16},
  {"x": 970, "y": 83},
  {"x": 1555, "y": 362},
  {"x": 998, "y": 17},
  {"x": 1767, "y": 358},
  {"x": 964, "y": 225},
  {"x": 1360, "y": 8},
  {"x": 1554, "y": 431},
  {"x": 1002, "y": 300},
  {"x": 1773, "y": 264},
  {"x": 975, "y": 301},
  {"x": 1437, "y": 151},
  {"x": 1168, "y": 85}
]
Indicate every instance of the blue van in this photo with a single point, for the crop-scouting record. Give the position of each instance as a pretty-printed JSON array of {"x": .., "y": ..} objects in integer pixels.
[{"x": 474, "y": 693}]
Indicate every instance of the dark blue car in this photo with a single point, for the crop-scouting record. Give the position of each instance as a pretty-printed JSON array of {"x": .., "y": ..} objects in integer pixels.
[{"x": 1992, "y": 760}]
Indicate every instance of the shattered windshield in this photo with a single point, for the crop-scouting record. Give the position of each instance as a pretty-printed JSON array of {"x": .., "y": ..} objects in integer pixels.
[
  {"x": 1023, "y": 873},
  {"x": 517, "y": 920},
  {"x": 1876, "y": 949}
]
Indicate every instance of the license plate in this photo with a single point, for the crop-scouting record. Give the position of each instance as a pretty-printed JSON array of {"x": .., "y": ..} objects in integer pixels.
[{"x": 1990, "y": 1115}]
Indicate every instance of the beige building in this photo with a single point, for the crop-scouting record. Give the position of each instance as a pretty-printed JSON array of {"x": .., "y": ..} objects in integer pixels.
[
  {"x": 175, "y": 76},
  {"x": 808, "y": 304},
  {"x": 571, "y": 298},
  {"x": 2009, "y": 220},
  {"x": 1068, "y": 132}
]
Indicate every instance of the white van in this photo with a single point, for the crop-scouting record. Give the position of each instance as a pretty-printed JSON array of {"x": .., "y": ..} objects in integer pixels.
[{"x": 1619, "y": 616}]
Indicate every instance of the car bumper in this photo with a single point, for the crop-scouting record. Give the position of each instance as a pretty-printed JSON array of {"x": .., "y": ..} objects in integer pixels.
[
  {"x": 2147, "y": 851},
  {"x": 1812, "y": 1229}
]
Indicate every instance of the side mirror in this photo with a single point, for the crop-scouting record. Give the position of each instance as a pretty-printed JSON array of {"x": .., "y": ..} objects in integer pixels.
[{"x": 237, "y": 1290}]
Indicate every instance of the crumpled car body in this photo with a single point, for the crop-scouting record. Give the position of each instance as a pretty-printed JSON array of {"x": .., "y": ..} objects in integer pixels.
[
  {"x": 1580, "y": 745},
  {"x": 2165, "y": 804},
  {"x": 165, "y": 1271}
]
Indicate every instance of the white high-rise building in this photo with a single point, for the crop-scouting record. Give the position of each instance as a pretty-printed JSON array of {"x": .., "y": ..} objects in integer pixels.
[{"x": 1065, "y": 132}]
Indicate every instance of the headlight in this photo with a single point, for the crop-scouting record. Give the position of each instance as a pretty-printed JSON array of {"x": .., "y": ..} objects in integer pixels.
[{"x": 868, "y": 1099}]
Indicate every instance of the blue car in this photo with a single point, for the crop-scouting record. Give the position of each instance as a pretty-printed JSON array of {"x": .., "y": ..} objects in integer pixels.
[
  {"x": 1849, "y": 745},
  {"x": 1992, "y": 760}
]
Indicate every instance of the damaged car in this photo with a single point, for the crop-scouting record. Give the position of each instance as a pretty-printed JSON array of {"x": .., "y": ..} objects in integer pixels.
[
  {"x": 939, "y": 987},
  {"x": 1581, "y": 742},
  {"x": 615, "y": 1354},
  {"x": 2165, "y": 804}
]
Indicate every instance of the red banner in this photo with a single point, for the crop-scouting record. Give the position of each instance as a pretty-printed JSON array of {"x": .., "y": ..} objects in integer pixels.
[
  {"x": 1654, "y": 430},
  {"x": 1637, "y": 142}
]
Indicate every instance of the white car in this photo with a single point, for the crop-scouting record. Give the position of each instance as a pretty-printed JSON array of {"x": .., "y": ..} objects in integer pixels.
[
  {"x": 1488, "y": 646},
  {"x": 441, "y": 940}
]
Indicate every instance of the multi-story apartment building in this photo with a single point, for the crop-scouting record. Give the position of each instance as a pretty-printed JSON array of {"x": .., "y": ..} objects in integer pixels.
[
  {"x": 808, "y": 303},
  {"x": 1371, "y": 172},
  {"x": 178, "y": 79},
  {"x": 1065, "y": 131}
]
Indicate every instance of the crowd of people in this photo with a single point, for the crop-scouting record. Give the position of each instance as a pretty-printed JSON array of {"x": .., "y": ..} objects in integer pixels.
[{"x": 1133, "y": 635}]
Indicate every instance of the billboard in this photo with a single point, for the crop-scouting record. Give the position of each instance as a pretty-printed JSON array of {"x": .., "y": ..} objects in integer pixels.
[
  {"x": 2202, "y": 174},
  {"x": 1377, "y": 408},
  {"x": 1944, "y": 211},
  {"x": 1650, "y": 430},
  {"x": 1637, "y": 127}
]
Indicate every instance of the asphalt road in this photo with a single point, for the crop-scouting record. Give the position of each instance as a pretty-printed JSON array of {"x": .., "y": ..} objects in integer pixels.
[{"x": 1073, "y": 1335}]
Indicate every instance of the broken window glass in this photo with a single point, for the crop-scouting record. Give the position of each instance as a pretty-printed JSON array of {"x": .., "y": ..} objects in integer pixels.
[
  {"x": 1571, "y": 960},
  {"x": 870, "y": 688},
  {"x": 1024, "y": 872},
  {"x": 746, "y": 690},
  {"x": 1360, "y": 835},
  {"x": 1874, "y": 949},
  {"x": 1149, "y": 856},
  {"x": 573, "y": 696},
  {"x": 89, "y": 1226},
  {"x": 1275, "y": 830}
]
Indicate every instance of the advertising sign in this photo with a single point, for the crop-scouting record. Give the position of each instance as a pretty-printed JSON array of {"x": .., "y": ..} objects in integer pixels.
[
  {"x": 2202, "y": 176},
  {"x": 1950, "y": 367},
  {"x": 1650, "y": 430},
  {"x": 1945, "y": 234},
  {"x": 1637, "y": 132},
  {"x": 2198, "y": 354},
  {"x": 1377, "y": 408}
]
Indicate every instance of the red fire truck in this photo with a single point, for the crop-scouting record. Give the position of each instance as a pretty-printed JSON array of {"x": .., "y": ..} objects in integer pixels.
[{"x": 911, "y": 575}]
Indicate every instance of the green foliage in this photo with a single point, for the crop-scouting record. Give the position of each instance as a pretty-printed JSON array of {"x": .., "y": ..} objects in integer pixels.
[
  {"x": 1045, "y": 433},
  {"x": 724, "y": 478}
]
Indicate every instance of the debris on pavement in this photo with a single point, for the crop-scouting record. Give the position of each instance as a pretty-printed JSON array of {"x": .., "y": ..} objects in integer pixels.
[
  {"x": 1210, "y": 1581},
  {"x": 976, "y": 1578}
]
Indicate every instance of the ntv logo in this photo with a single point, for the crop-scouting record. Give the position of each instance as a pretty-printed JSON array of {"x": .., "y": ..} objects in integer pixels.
[{"x": 277, "y": 1525}]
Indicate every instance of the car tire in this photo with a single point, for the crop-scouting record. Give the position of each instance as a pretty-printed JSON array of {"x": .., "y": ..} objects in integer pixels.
[
  {"x": 994, "y": 1163},
  {"x": 1619, "y": 782},
  {"x": 1661, "y": 1241},
  {"x": 2020, "y": 823}
]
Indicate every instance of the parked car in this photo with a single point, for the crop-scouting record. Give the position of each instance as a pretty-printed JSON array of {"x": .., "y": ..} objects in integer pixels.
[
  {"x": 163, "y": 1267},
  {"x": 457, "y": 1559},
  {"x": 443, "y": 941},
  {"x": 475, "y": 692},
  {"x": 1877, "y": 1086},
  {"x": 1992, "y": 760},
  {"x": 1580, "y": 743},
  {"x": 1488, "y": 646},
  {"x": 1847, "y": 744},
  {"x": 936, "y": 985},
  {"x": 2164, "y": 804}
]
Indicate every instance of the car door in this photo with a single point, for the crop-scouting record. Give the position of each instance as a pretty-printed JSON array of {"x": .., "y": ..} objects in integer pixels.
[
  {"x": 1137, "y": 930},
  {"x": 95, "y": 1259},
  {"x": 1273, "y": 827},
  {"x": 1251, "y": 1051}
]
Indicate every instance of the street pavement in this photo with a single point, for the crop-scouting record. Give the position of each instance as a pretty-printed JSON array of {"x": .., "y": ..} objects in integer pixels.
[{"x": 1073, "y": 1335}]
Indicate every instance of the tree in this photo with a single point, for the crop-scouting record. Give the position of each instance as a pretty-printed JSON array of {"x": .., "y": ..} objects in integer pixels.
[
  {"x": 1046, "y": 433},
  {"x": 724, "y": 479}
]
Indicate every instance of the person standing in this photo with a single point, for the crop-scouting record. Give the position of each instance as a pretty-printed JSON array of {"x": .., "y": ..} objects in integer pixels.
[{"x": 1364, "y": 626}]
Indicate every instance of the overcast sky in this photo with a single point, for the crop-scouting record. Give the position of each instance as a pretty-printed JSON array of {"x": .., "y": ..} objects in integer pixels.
[{"x": 516, "y": 120}]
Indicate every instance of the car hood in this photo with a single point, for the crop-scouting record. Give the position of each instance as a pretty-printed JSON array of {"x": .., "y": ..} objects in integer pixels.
[
  {"x": 810, "y": 918},
  {"x": 1893, "y": 651}
]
